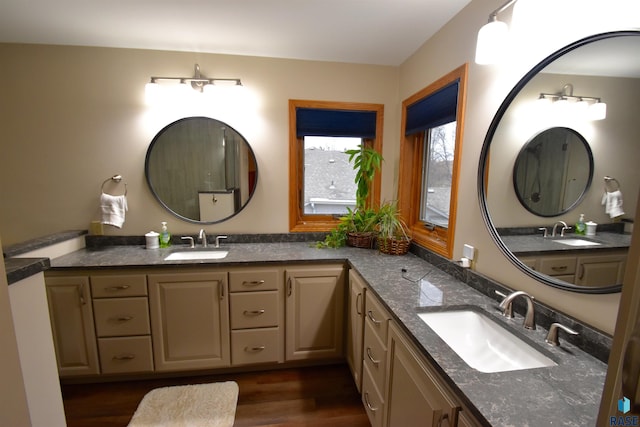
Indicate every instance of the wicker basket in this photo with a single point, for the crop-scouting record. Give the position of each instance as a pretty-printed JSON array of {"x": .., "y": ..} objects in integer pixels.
[
  {"x": 393, "y": 246},
  {"x": 360, "y": 240}
]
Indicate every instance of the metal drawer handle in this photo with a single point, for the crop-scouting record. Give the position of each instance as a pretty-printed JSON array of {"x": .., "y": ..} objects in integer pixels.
[
  {"x": 253, "y": 283},
  {"x": 366, "y": 401},
  {"x": 358, "y": 300},
  {"x": 254, "y": 349},
  {"x": 117, "y": 288},
  {"x": 559, "y": 268},
  {"x": 124, "y": 318},
  {"x": 124, "y": 357},
  {"x": 373, "y": 319},
  {"x": 370, "y": 356},
  {"x": 253, "y": 312},
  {"x": 443, "y": 417}
]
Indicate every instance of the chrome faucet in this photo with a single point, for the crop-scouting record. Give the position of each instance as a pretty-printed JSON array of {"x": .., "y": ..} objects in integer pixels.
[
  {"x": 552, "y": 336},
  {"x": 218, "y": 240},
  {"x": 203, "y": 237},
  {"x": 529, "y": 318},
  {"x": 564, "y": 227}
]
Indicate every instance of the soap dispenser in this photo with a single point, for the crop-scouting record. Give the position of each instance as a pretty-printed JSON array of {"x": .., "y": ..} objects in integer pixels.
[
  {"x": 165, "y": 236},
  {"x": 581, "y": 227}
]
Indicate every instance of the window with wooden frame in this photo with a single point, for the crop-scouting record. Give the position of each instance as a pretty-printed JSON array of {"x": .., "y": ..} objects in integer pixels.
[
  {"x": 321, "y": 179},
  {"x": 432, "y": 126}
]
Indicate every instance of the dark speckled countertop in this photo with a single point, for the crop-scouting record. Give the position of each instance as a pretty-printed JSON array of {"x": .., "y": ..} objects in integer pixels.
[
  {"x": 538, "y": 245},
  {"x": 564, "y": 395}
]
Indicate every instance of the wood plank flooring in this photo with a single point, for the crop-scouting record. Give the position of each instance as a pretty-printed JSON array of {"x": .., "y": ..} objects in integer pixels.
[{"x": 316, "y": 396}]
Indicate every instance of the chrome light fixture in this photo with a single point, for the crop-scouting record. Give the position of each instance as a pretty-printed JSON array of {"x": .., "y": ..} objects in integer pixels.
[
  {"x": 492, "y": 38},
  {"x": 197, "y": 82},
  {"x": 591, "y": 107}
]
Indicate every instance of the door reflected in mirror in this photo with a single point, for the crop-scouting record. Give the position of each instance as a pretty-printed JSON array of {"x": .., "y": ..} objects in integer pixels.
[{"x": 201, "y": 170}]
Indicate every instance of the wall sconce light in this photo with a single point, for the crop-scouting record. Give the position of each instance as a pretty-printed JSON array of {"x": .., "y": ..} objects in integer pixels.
[
  {"x": 197, "y": 82},
  {"x": 492, "y": 38},
  {"x": 581, "y": 106}
]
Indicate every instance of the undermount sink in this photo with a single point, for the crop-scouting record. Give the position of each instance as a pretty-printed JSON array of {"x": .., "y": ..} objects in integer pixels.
[
  {"x": 577, "y": 242},
  {"x": 196, "y": 255},
  {"x": 483, "y": 344}
]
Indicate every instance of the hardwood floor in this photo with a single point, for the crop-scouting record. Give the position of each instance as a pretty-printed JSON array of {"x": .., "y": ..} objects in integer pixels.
[{"x": 313, "y": 396}]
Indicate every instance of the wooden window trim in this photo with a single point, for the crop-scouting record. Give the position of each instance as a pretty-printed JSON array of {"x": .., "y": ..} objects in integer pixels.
[
  {"x": 439, "y": 240},
  {"x": 298, "y": 221}
]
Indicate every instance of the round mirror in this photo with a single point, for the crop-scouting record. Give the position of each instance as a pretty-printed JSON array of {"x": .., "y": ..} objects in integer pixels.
[
  {"x": 201, "y": 170},
  {"x": 553, "y": 171},
  {"x": 606, "y": 67}
]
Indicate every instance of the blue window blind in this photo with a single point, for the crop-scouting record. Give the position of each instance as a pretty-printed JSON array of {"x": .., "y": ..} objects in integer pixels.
[
  {"x": 340, "y": 123},
  {"x": 436, "y": 109}
]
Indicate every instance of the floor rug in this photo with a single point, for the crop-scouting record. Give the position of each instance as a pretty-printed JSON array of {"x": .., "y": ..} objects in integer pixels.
[{"x": 200, "y": 405}]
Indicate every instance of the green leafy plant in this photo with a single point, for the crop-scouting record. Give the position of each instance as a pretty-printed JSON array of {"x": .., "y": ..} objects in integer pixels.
[
  {"x": 390, "y": 225},
  {"x": 366, "y": 162}
]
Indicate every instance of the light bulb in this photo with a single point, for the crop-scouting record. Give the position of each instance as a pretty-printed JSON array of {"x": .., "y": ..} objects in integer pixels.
[
  {"x": 598, "y": 111},
  {"x": 492, "y": 41}
]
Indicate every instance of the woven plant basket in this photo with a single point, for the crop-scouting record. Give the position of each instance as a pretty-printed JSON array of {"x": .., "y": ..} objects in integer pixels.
[
  {"x": 393, "y": 246},
  {"x": 360, "y": 240}
]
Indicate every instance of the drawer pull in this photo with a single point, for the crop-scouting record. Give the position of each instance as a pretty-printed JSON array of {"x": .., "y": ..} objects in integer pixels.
[
  {"x": 253, "y": 283},
  {"x": 373, "y": 319},
  {"x": 366, "y": 401},
  {"x": 358, "y": 303},
  {"x": 124, "y": 357},
  {"x": 117, "y": 288},
  {"x": 559, "y": 268},
  {"x": 123, "y": 318},
  {"x": 254, "y": 349},
  {"x": 443, "y": 417},
  {"x": 253, "y": 312},
  {"x": 370, "y": 356}
]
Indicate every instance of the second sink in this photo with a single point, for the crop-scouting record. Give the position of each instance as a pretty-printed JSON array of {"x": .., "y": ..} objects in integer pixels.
[{"x": 483, "y": 344}]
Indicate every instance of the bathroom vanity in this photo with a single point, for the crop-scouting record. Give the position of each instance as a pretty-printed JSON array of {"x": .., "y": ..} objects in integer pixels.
[{"x": 268, "y": 304}]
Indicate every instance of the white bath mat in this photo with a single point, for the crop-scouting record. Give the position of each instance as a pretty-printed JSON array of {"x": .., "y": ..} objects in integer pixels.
[{"x": 200, "y": 405}]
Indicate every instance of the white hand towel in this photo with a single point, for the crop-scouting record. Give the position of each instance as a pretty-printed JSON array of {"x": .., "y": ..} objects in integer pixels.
[
  {"x": 613, "y": 203},
  {"x": 113, "y": 209}
]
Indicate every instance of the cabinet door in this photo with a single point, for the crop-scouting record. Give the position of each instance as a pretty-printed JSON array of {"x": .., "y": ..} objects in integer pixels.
[
  {"x": 71, "y": 314},
  {"x": 600, "y": 270},
  {"x": 189, "y": 320},
  {"x": 355, "y": 326},
  {"x": 415, "y": 396},
  {"x": 314, "y": 313}
]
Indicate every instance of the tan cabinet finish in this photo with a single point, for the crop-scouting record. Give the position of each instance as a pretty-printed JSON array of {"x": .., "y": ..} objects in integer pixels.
[
  {"x": 600, "y": 270},
  {"x": 189, "y": 320},
  {"x": 125, "y": 354},
  {"x": 69, "y": 299},
  {"x": 355, "y": 326},
  {"x": 314, "y": 312},
  {"x": 121, "y": 316}
]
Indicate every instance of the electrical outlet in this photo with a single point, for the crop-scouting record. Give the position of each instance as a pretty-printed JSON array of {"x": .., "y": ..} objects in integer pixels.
[{"x": 468, "y": 251}]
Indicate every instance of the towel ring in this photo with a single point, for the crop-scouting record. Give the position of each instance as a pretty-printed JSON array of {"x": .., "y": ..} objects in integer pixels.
[
  {"x": 115, "y": 178},
  {"x": 611, "y": 184}
]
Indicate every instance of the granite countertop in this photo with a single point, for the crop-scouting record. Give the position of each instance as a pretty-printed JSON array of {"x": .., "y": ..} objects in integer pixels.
[
  {"x": 535, "y": 244},
  {"x": 21, "y": 268},
  {"x": 564, "y": 395}
]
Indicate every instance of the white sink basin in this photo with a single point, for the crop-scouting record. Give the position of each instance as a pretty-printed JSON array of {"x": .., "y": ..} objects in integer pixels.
[
  {"x": 577, "y": 242},
  {"x": 483, "y": 344},
  {"x": 196, "y": 255}
]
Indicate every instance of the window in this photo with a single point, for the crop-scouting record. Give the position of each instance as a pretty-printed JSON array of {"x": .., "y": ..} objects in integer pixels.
[
  {"x": 432, "y": 123},
  {"x": 321, "y": 179}
]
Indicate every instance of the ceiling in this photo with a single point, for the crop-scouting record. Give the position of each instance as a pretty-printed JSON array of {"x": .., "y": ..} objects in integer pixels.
[{"x": 382, "y": 32}]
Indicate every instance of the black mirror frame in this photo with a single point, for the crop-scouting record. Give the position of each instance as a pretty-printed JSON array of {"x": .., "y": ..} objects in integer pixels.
[
  {"x": 484, "y": 154},
  {"x": 162, "y": 203}
]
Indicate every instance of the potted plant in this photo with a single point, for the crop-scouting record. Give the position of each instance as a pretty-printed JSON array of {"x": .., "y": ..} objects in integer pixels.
[{"x": 392, "y": 231}]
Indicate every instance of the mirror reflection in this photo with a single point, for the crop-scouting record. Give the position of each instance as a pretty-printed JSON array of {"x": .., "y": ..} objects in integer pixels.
[
  {"x": 201, "y": 169},
  {"x": 608, "y": 67},
  {"x": 553, "y": 171}
]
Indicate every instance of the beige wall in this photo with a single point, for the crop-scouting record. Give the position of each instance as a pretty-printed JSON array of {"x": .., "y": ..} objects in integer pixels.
[{"x": 76, "y": 117}]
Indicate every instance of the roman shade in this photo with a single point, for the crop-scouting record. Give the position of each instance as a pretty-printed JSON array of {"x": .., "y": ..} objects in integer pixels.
[
  {"x": 436, "y": 109},
  {"x": 339, "y": 123}
]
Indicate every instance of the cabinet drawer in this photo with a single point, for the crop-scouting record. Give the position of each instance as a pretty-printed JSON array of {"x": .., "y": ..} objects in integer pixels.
[
  {"x": 121, "y": 316},
  {"x": 253, "y": 280},
  {"x": 372, "y": 399},
  {"x": 556, "y": 266},
  {"x": 376, "y": 316},
  {"x": 128, "y": 354},
  {"x": 255, "y": 346},
  {"x": 254, "y": 309},
  {"x": 129, "y": 285},
  {"x": 374, "y": 354}
]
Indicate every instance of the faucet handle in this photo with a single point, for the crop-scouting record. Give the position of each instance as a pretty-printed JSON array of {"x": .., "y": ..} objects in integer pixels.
[
  {"x": 545, "y": 232},
  {"x": 507, "y": 309},
  {"x": 552, "y": 336},
  {"x": 218, "y": 240},
  {"x": 565, "y": 228},
  {"x": 192, "y": 244}
]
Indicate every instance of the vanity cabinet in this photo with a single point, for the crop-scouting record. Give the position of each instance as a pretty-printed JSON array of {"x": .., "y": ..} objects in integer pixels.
[
  {"x": 71, "y": 313},
  {"x": 561, "y": 267},
  {"x": 314, "y": 312},
  {"x": 257, "y": 316},
  {"x": 121, "y": 315},
  {"x": 600, "y": 270},
  {"x": 355, "y": 326},
  {"x": 189, "y": 320}
]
